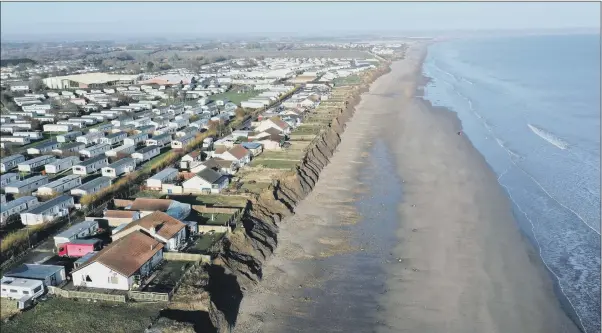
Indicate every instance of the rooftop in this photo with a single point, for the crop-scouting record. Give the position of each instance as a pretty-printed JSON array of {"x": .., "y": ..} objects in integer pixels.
[
  {"x": 77, "y": 228},
  {"x": 93, "y": 160},
  {"x": 165, "y": 225},
  {"x": 49, "y": 204},
  {"x": 34, "y": 271},
  {"x": 96, "y": 78},
  {"x": 93, "y": 183}
]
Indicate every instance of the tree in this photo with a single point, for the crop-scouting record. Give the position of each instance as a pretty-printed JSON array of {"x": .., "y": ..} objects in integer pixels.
[
  {"x": 150, "y": 65},
  {"x": 240, "y": 113},
  {"x": 36, "y": 85}
]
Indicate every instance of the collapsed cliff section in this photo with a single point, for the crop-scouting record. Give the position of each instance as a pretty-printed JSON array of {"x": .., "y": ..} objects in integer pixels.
[{"x": 238, "y": 265}]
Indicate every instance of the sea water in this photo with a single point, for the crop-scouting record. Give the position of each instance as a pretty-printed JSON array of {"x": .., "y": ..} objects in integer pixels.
[{"x": 531, "y": 106}]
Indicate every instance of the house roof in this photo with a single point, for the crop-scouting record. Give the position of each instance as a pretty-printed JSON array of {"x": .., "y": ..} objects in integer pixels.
[
  {"x": 42, "y": 208},
  {"x": 145, "y": 204},
  {"x": 195, "y": 154},
  {"x": 272, "y": 131},
  {"x": 220, "y": 150},
  {"x": 209, "y": 175},
  {"x": 279, "y": 122},
  {"x": 218, "y": 163},
  {"x": 126, "y": 255},
  {"x": 34, "y": 271},
  {"x": 238, "y": 151},
  {"x": 122, "y": 214},
  {"x": 165, "y": 225}
]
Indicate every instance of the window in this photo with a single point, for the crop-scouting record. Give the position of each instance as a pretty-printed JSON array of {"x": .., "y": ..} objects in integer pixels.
[
  {"x": 3, "y": 289},
  {"x": 88, "y": 279},
  {"x": 25, "y": 292},
  {"x": 38, "y": 288},
  {"x": 13, "y": 290},
  {"x": 114, "y": 279}
]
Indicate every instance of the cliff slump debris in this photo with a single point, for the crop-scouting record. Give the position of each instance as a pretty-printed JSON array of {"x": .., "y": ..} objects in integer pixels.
[{"x": 238, "y": 265}]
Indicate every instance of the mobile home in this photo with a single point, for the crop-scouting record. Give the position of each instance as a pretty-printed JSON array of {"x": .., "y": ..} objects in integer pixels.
[
  {"x": 123, "y": 149},
  {"x": 48, "y": 211},
  {"x": 95, "y": 150},
  {"x": 159, "y": 140},
  {"x": 57, "y": 128},
  {"x": 70, "y": 136},
  {"x": 61, "y": 164},
  {"x": 92, "y": 186},
  {"x": 45, "y": 147},
  {"x": 70, "y": 147},
  {"x": 114, "y": 138},
  {"x": 145, "y": 154},
  {"x": 10, "y": 162},
  {"x": 35, "y": 163},
  {"x": 26, "y": 185},
  {"x": 135, "y": 139},
  {"x": 8, "y": 178},
  {"x": 15, "y": 288},
  {"x": 123, "y": 166},
  {"x": 182, "y": 142},
  {"x": 91, "y": 165},
  {"x": 60, "y": 185},
  {"x": 15, "y": 207}
]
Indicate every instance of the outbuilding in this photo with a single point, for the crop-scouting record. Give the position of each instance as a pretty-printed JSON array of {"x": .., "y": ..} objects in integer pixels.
[
  {"x": 49, "y": 275},
  {"x": 155, "y": 182}
]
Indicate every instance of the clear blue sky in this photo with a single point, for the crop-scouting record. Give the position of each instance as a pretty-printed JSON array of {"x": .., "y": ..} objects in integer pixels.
[{"x": 132, "y": 19}]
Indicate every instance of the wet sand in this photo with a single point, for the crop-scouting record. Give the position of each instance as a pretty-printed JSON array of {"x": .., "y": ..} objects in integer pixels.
[{"x": 458, "y": 264}]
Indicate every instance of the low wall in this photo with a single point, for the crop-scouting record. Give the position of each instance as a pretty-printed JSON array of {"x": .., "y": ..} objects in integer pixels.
[
  {"x": 215, "y": 210},
  {"x": 180, "y": 256},
  {"x": 171, "y": 189},
  {"x": 86, "y": 295},
  {"x": 142, "y": 296},
  {"x": 121, "y": 203},
  {"x": 215, "y": 228}
]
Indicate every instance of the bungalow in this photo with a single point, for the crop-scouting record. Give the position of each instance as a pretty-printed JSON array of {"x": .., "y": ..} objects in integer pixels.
[
  {"x": 145, "y": 154},
  {"x": 57, "y": 128},
  {"x": 48, "y": 210},
  {"x": 114, "y": 138},
  {"x": 276, "y": 123},
  {"x": 17, "y": 140},
  {"x": 123, "y": 166},
  {"x": 120, "y": 217},
  {"x": 123, "y": 150},
  {"x": 159, "y": 140},
  {"x": 161, "y": 227},
  {"x": 35, "y": 163},
  {"x": 71, "y": 147},
  {"x": 90, "y": 137},
  {"x": 8, "y": 178},
  {"x": 122, "y": 265},
  {"x": 95, "y": 150},
  {"x": 15, "y": 207},
  {"x": 10, "y": 162},
  {"x": 91, "y": 165},
  {"x": 172, "y": 208},
  {"x": 42, "y": 148},
  {"x": 61, "y": 164},
  {"x": 60, "y": 185},
  {"x": 91, "y": 187},
  {"x": 206, "y": 181},
  {"x": 135, "y": 139},
  {"x": 239, "y": 154},
  {"x": 155, "y": 182},
  {"x": 182, "y": 142},
  {"x": 191, "y": 160},
  {"x": 26, "y": 185},
  {"x": 70, "y": 136}
]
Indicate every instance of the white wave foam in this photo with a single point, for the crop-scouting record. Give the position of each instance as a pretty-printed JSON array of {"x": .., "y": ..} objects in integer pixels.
[{"x": 549, "y": 137}]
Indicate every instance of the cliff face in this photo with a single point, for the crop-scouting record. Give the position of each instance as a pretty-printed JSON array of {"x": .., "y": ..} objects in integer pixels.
[{"x": 239, "y": 263}]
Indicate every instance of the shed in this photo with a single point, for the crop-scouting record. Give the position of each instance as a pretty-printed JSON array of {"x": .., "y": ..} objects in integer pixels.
[
  {"x": 165, "y": 175},
  {"x": 50, "y": 275}
]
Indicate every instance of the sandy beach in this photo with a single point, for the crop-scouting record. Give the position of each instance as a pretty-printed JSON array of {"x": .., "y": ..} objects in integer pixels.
[{"x": 457, "y": 262}]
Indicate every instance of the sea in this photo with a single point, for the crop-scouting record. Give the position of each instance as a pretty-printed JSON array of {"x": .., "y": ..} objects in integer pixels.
[{"x": 531, "y": 106}]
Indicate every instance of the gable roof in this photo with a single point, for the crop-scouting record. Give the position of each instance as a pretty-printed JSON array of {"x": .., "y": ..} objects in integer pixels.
[
  {"x": 218, "y": 163},
  {"x": 126, "y": 255},
  {"x": 150, "y": 204},
  {"x": 272, "y": 131},
  {"x": 165, "y": 225},
  {"x": 220, "y": 150},
  {"x": 209, "y": 175},
  {"x": 120, "y": 213},
  {"x": 279, "y": 122},
  {"x": 238, "y": 151}
]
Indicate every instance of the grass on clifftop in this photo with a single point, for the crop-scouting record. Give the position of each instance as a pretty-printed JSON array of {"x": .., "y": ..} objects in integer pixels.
[{"x": 62, "y": 315}]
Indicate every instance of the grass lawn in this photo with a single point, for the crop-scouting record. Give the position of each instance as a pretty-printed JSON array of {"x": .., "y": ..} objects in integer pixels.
[
  {"x": 205, "y": 241},
  {"x": 256, "y": 187},
  {"x": 235, "y": 97},
  {"x": 274, "y": 164},
  {"x": 347, "y": 81},
  {"x": 169, "y": 274},
  {"x": 218, "y": 218},
  {"x": 61, "y": 315}
]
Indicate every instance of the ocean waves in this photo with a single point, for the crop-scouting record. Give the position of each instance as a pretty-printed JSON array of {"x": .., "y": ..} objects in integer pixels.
[{"x": 549, "y": 137}]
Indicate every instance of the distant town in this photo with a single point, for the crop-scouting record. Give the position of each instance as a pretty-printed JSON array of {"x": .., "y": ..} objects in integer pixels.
[{"x": 122, "y": 169}]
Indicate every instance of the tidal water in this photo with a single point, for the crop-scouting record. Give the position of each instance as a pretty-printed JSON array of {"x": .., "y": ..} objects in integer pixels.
[{"x": 531, "y": 106}]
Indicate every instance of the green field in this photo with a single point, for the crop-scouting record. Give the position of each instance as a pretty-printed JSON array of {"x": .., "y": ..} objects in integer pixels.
[
  {"x": 61, "y": 315},
  {"x": 205, "y": 241},
  {"x": 235, "y": 97},
  {"x": 218, "y": 218},
  {"x": 274, "y": 164},
  {"x": 350, "y": 80}
]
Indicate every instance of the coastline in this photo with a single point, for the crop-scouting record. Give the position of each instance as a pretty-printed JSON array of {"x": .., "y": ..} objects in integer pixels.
[{"x": 459, "y": 265}]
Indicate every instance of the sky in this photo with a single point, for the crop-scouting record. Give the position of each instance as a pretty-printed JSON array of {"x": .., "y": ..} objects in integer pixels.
[{"x": 164, "y": 19}]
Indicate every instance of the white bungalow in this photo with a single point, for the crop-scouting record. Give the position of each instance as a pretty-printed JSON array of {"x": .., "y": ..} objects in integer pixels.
[
  {"x": 95, "y": 150},
  {"x": 48, "y": 210},
  {"x": 90, "y": 166},
  {"x": 61, "y": 164},
  {"x": 145, "y": 154},
  {"x": 35, "y": 163}
]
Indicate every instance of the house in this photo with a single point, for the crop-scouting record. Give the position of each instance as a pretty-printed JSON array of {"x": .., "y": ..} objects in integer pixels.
[
  {"x": 57, "y": 128},
  {"x": 160, "y": 226},
  {"x": 254, "y": 147},
  {"x": 8, "y": 178},
  {"x": 172, "y": 208},
  {"x": 120, "y": 217},
  {"x": 35, "y": 163},
  {"x": 239, "y": 154},
  {"x": 159, "y": 140},
  {"x": 10, "y": 162},
  {"x": 14, "y": 288},
  {"x": 44, "y": 147},
  {"x": 15, "y": 207},
  {"x": 222, "y": 166},
  {"x": 123, "y": 166},
  {"x": 91, "y": 165},
  {"x": 49, "y": 275},
  {"x": 71, "y": 147},
  {"x": 62, "y": 164},
  {"x": 145, "y": 154},
  {"x": 48, "y": 210},
  {"x": 70, "y": 136},
  {"x": 274, "y": 122},
  {"x": 26, "y": 185},
  {"x": 124, "y": 150},
  {"x": 155, "y": 182},
  {"x": 91, "y": 187},
  {"x": 135, "y": 139},
  {"x": 95, "y": 150},
  {"x": 122, "y": 265},
  {"x": 191, "y": 160},
  {"x": 182, "y": 142},
  {"x": 114, "y": 138},
  {"x": 60, "y": 185},
  {"x": 206, "y": 181}
]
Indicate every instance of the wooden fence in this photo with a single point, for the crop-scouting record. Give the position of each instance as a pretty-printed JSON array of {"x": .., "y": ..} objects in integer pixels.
[
  {"x": 181, "y": 256},
  {"x": 142, "y": 296},
  {"x": 215, "y": 210},
  {"x": 86, "y": 295}
]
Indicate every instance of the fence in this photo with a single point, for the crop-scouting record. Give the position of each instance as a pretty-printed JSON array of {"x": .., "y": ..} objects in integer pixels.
[
  {"x": 215, "y": 210},
  {"x": 180, "y": 256},
  {"x": 142, "y": 296},
  {"x": 86, "y": 295}
]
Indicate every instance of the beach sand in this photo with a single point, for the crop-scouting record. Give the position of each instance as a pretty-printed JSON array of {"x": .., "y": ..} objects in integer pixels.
[{"x": 463, "y": 265}]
